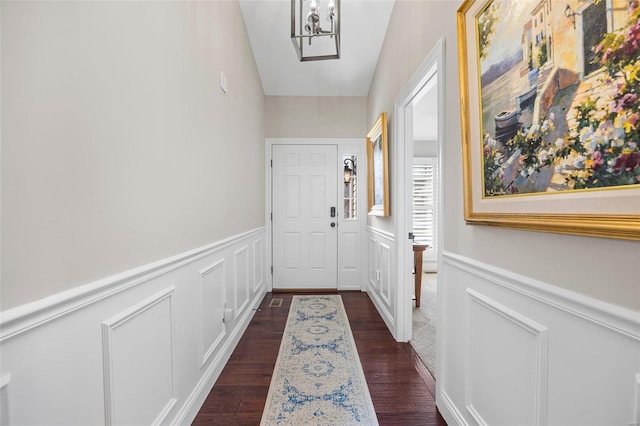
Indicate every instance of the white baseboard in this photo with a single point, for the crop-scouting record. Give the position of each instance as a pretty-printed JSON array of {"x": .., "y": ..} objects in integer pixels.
[
  {"x": 449, "y": 411},
  {"x": 169, "y": 315},
  {"x": 382, "y": 308}
]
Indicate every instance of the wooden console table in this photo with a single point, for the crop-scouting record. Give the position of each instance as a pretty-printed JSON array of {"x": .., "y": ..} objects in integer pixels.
[{"x": 417, "y": 266}]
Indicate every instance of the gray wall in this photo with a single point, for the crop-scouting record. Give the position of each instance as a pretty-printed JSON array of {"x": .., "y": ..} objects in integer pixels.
[
  {"x": 601, "y": 268},
  {"x": 119, "y": 149},
  {"x": 425, "y": 149},
  {"x": 315, "y": 117},
  {"x": 118, "y": 146}
]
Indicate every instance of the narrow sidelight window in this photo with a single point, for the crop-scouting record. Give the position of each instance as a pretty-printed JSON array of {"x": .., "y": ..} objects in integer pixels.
[{"x": 350, "y": 198}]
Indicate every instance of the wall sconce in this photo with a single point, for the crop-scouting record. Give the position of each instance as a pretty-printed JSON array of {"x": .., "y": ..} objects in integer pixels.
[
  {"x": 349, "y": 170},
  {"x": 569, "y": 13}
]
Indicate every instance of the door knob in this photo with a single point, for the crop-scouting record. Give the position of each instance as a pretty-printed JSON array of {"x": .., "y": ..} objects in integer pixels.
[{"x": 333, "y": 224}]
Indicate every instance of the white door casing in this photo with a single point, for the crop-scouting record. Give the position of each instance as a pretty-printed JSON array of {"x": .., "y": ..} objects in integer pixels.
[
  {"x": 431, "y": 70},
  {"x": 304, "y": 180}
]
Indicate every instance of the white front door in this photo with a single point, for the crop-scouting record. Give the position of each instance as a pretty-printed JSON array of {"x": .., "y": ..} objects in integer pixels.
[{"x": 304, "y": 191}]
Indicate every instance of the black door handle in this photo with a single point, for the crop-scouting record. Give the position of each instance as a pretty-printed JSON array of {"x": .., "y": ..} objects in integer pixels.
[{"x": 333, "y": 224}]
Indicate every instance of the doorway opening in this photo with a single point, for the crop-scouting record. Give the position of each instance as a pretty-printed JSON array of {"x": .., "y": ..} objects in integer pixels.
[
  {"x": 420, "y": 134},
  {"x": 425, "y": 230}
]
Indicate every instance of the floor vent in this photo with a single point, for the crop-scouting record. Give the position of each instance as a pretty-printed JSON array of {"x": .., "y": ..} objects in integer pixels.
[{"x": 275, "y": 303}]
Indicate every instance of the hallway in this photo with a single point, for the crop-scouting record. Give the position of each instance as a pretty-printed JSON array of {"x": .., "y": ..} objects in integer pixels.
[
  {"x": 136, "y": 219},
  {"x": 401, "y": 387}
]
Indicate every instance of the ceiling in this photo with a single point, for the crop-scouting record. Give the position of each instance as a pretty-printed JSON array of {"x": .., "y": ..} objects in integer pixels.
[
  {"x": 425, "y": 115},
  {"x": 268, "y": 24},
  {"x": 363, "y": 27}
]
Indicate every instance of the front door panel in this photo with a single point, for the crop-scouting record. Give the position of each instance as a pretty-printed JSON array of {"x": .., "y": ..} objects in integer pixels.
[{"x": 304, "y": 242}]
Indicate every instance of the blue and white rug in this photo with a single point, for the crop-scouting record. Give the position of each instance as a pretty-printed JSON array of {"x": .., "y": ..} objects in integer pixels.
[{"x": 318, "y": 379}]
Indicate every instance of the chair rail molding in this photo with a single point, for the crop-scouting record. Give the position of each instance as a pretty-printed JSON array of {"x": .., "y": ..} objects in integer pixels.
[
  {"x": 21, "y": 319},
  {"x": 616, "y": 318}
]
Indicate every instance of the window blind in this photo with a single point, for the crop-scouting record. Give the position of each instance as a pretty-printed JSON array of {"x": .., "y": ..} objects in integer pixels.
[{"x": 425, "y": 221}]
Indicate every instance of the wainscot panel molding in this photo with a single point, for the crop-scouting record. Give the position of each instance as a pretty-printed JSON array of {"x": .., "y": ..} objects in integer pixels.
[
  {"x": 533, "y": 352},
  {"x": 502, "y": 342},
  {"x": 4, "y": 399},
  {"x": 372, "y": 250},
  {"x": 636, "y": 412},
  {"x": 385, "y": 272},
  {"x": 241, "y": 284},
  {"x": 380, "y": 271},
  {"x": 212, "y": 290},
  {"x": 258, "y": 264},
  {"x": 141, "y": 335},
  {"x": 164, "y": 330}
]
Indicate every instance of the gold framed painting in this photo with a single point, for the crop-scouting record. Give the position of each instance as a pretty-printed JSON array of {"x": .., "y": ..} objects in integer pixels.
[
  {"x": 550, "y": 108},
  {"x": 377, "y": 170}
]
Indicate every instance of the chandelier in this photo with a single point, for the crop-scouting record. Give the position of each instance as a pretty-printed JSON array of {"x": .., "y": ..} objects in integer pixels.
[{"x": 313, "y": 38}]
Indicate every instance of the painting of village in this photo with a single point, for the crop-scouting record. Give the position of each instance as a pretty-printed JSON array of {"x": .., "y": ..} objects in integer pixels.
[{"x": 560, "y": 95}]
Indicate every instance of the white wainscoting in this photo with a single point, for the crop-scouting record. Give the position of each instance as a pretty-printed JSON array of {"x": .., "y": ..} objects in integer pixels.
[
  {"x": 4, "y": 399},
  {"x": 138, "y": 360},
  {"x": 142, "y": 347},
  {"x": 241, "y": 282},
  {"x": 350, "y": 258},
  {"x": 211, "y": 306},
  {"x": 380, "y": 270},
  {"x": 513, "y": 350}
]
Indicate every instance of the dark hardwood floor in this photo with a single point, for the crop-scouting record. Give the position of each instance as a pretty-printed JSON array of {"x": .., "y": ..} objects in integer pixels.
[{"x": 402, "y": 390}]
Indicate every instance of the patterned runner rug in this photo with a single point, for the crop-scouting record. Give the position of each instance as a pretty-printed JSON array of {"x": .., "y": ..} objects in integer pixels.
[{"x": 318, "y": 379}]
